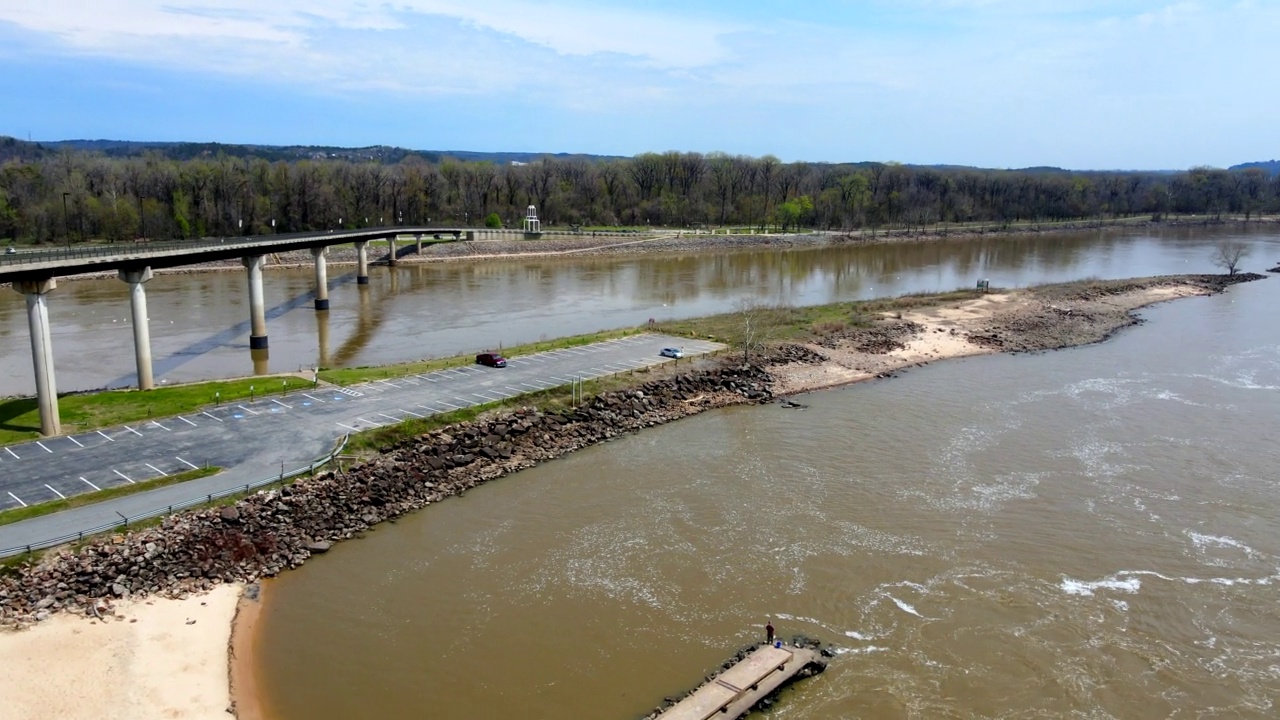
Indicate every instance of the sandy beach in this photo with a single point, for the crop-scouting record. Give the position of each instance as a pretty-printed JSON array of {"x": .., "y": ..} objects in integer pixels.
[
  {"x": 964, "y": 328},
  {"x": 154, "y": 658}
]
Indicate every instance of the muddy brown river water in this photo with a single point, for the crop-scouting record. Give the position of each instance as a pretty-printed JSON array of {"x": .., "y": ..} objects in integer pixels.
[
  {"x": 1090, "y": 533},
  {"x": 200, "y": 323}
]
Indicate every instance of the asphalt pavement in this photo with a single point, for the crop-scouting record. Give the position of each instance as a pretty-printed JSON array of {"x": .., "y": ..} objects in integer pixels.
[{"x": 254, "y": 440}]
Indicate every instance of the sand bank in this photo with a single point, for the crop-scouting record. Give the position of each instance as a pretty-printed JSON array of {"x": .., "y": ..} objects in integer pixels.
[
  {"x": 154, "y": 658},
  {"x": 1028, "y": 320}
]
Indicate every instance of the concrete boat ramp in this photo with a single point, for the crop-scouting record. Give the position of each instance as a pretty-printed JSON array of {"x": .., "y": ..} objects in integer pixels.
[{"x": 743, "y": 685}]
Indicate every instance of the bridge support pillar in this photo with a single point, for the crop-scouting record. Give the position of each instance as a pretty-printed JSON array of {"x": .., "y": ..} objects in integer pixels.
[
  {"x": 322, "y": 278},
  {"x": 362, "y": 262},
  {"x": 141, "y": 324},
  {"x": 417, "y": 237},
  {"x": 42, "y": 351},
  {"x": 257, "y": 308},
  {"x": 391, "y": 251}
]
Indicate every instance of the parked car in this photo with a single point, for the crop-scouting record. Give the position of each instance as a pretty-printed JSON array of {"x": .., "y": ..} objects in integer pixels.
[
  {"x": 491, "y": 359},
  {"x": 11, "y": 250},
  {"x": 672, "y": 353}
]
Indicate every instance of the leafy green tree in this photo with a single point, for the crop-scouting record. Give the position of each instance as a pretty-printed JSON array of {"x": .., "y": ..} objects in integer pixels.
[
  {"x": 790, "y": 212},
  {"x": 492, "y": 221}
]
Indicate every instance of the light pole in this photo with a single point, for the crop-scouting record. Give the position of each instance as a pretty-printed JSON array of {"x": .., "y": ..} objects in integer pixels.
[{"x": 66, "y": 229}]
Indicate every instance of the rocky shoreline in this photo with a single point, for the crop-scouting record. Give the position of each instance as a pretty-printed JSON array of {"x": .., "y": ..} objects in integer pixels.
[{"x": 278, "y": 529}]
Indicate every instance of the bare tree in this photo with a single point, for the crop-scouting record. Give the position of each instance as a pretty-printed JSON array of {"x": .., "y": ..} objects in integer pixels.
[
  {"x": 759, "y": 323},
  {"x": 1228, "y": 255}
]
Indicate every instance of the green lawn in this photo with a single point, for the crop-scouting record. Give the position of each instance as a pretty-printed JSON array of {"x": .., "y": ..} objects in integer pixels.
[{"x": 20, "y": 417}]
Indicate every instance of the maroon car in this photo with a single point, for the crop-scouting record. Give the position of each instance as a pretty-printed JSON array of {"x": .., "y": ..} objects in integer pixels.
[{"x": 491, "y": 359}]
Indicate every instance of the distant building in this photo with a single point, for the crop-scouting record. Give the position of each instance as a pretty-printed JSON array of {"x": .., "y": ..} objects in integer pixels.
[{"x": 517, "y": 162}]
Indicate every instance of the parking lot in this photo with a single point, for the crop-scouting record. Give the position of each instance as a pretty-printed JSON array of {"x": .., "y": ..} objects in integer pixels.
[{"x": 278, "y": 433}]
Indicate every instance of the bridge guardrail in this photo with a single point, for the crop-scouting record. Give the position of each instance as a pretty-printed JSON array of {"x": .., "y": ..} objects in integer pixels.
[
  {"x": 123, "y": 523},
  {"x": 147, "y": 248}
]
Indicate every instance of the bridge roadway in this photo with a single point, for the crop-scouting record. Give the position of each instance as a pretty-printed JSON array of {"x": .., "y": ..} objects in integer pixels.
[
  {"x": 36, "y": 265},
  {"x": 35, "y": 274},
  {"x": 256, "y": 440}
]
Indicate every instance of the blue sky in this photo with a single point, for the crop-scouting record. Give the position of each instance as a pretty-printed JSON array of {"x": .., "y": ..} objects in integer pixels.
[{"x": 1127, "y": 84}]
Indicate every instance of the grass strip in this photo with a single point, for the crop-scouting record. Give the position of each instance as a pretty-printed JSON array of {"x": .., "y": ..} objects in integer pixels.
[
  {"x": 350, "y": 376},
  {"x": 805, "y": 323},
  {"x": 20, "y": 417},
  {"x": 75, "y": 501}
]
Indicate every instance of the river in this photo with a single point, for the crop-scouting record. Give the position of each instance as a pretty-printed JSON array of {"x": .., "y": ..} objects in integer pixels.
[
  {"x": 200, "y": 322},
  {"x": 1087, "y": 533}
]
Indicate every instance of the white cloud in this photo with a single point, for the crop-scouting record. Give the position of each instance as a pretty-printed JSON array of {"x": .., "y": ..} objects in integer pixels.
[{"x": 951, "y": 80}]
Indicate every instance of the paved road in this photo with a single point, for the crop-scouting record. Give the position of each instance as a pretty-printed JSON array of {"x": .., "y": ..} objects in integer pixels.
[{"x": 255, "y": 440}]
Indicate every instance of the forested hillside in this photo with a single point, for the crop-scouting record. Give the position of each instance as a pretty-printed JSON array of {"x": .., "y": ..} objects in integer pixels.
[
  {"x": 70, "y": 195},
  {"x": 1271, "y": 167}
]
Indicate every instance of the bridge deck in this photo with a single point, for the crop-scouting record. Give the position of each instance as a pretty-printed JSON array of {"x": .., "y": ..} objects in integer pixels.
[{"x": 736, "y": 690}]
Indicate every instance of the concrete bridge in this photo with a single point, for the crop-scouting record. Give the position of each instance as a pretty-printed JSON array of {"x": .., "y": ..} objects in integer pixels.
[{"x": 34, "y": 274}]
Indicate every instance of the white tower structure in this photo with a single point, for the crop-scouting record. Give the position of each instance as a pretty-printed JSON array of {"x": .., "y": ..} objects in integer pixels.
[{"x": 532, "y": 226}]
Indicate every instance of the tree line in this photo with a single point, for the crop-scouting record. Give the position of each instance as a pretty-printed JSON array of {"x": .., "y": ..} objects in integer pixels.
[{"x": 72, "y": 196}]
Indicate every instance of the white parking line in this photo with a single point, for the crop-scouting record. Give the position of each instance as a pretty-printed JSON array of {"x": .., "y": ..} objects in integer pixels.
[
  {"x": 371, "y": 422},
  {"x": 536, "y": 387},
  {"x": 187, "y": 421},
  {"x": 153, "y": 422},
  {"x": 74, "y": 440},
  {"x": 410, "y": 412},
  {"x": 86, "y": 482},
  {"x": 281, "y": 404},
  {"x": 135, "y": 432},
  {"x": 126, "y": 477},
  {"x": 184, "y": 462},
  {"x": 388, "y": 382},
  {"x": 348, "y": 427},
  {"x": 450, "y": 405},
  {"x": 42, "y": 447},
  {"x": 514, "y": 390},
  {"x": 64, "y": 497},
  {"x": 247, "y": 410},
  {"x": 215, "y": 417},
  {"x": 313, "y": 397},
  {"x": 464, "y": 401},
  {"x": 15, "y": 497},
  {"x": 392, "y": 419},
  {"x": 108, "y": 437},
  {"x": 14, "y": 454},
  {"x": 428, "y": 378},
  {"x": 153, "y": 467},
  {"x": 410, "y": 380}
]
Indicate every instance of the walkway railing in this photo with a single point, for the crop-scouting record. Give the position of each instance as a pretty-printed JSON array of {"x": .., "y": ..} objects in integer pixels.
[
  {"x": 123, "y": 523},
  {"x": 125, "y": 250}
]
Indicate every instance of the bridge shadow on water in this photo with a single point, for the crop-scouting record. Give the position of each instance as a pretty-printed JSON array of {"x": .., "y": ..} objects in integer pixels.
[{"x": 234, "y": 336}]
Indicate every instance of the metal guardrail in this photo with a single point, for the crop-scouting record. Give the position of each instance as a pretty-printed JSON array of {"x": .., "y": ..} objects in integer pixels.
[
  {"x": 123, "y": 523},
  {"x": 143, "y": 250}
]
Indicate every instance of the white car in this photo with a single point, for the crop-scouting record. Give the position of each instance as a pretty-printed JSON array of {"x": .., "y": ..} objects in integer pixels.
[{"x": 672, "y": 353}]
